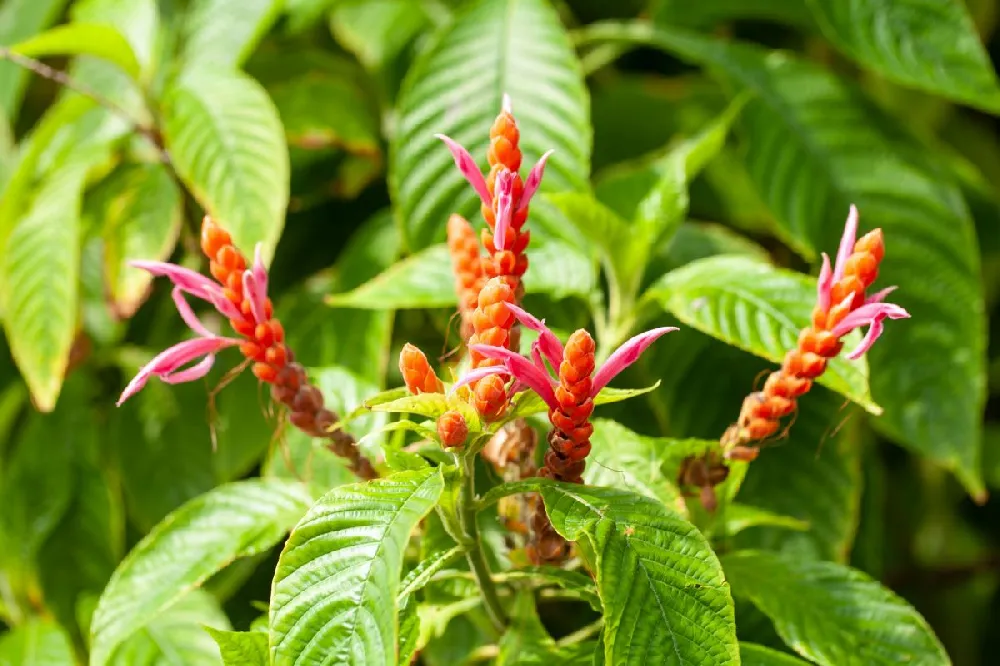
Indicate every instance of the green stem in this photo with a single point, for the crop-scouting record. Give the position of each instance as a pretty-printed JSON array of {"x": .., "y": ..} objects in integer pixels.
[{"x": 473, "y": 545}]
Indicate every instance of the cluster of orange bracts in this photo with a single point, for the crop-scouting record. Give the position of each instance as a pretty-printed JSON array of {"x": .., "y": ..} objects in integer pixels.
[
  {"x": 273, "y": 361},
  {"x": 762, "y": 411}
]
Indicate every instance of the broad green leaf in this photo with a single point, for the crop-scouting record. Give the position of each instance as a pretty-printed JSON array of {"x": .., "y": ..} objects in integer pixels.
[
  {"x": 758, "y": 308},
  {"x": 177, "y": 636},
  {"x": 142, "y": 220},
  {"x": 739, "y": 517},
  {"x": 831, "y": 614},
  {"x": 932, "y": 46},
  {"x": 664, "y": 595},
  {"x": 39, "y": 280},
  {"x": 758, "y": 655},
  {"x": 333, "y": 599},
  {"x": 138, "y": 21},
  {"x": 422, "y": 280},
  {"x": 621, "y": 458},
  {"x": 421, "y": 574},
  {"x": 228, "y": 146},
  {"x": 526, "y": 641},
  {"x": 695, "y": 241},
  {"x": 241, "y": 648},
  {"x": 409, "y": 630},
  {"x": 19, "y": 20},
  {"x": 814, "y": 476},
  {"x": 37, "y": 642},
  {"x": 808, "y": 132},
  {"x": 191, "y": 544},
  {"x": 528, "y": 403},
  {"x": 92, "y": 39},
  {"x": 493, "y": 47},
  {"x": 377, "y": 31},
  {"x": 425, "y": 279},
  {"x": 223, "y": 33},
  {"x": 430, "y": 405}
]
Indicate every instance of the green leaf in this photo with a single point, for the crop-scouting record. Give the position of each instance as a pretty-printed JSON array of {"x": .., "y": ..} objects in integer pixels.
[
  {"x": 422, "y": 280},
  {"x": 37, "y": 642},
  {"x": 701, "y": 240},
  {"x": 177, "y": 636},
  {"x": 430, "y": 565},
  {"x": 932, "y": 46},
  {"x": 758, "y": 655},
  {"x": 492, "y": 47},
  {"x": 377, "y": 31},
  {"x": 223, "y": 33},
  {"x": 665, "y": 599},
  {"x": 526, "y": 641},
  {"x": 20, "y": 19},
  {"x": 92, "y": 39},
  {"x": 334, "y": 594},
  {"x": 831, "y": 614},
  {"x": 740, "y": 517},
  {"x": 528, "y": 403},
  {"x": 711, "y": 12},
  {"x": 758, "y": 308},
  {"x": 431, "y": 405},
  {"x": 39, "y": 280},
  {"x": 926, "y": 373},
  {"x": 621, "y": 458},
  {"x": 241, "y": 648},
  {"x": 191, "y": 544},
  {"x": 142, "y": 219},
  {"x": 558, "y": 269},
  {"x": 138, "y": 21},
  {"x": 228, "y": 146}
]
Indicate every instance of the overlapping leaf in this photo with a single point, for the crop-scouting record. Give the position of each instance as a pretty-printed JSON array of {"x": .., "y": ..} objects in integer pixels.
[
  {"x": 494, "y": 46},
  {"x": 191, "y": 544},
  {"x": 928, "y": 45},
  {"x": 39, "y": 281},
  {"x": 223, "y": 33},
  {"x": 334, "y": 597},
  {"x": 241, "y": 648},
  {"x": 37, "y": 642},
  {"x": 757, "y": 308},
  {"x": 227, "y": 144},
  {"x": 20, "y": 19},
  {"x": 758, "y": 655},
  {"x": 831, "y": 614},
  {"x": 93, "y": 39}
]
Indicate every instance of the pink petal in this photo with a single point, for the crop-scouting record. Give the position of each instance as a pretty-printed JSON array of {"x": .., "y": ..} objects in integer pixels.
[
  {"x": 523, "y": 370},
  {"x": 226, "y": 307},
  {"x": 874, "y": 331},
  {"x": 866, "y": 314},
  {"x": 194, "y": 372},
  {"x": 468, "y": 168},
  {"x": 190, "y": 281},
  {"x": 172, "y": 358},
  {"x": 536, "y": 357},
  {"x": 548, "y": 341},
  {"x": 846, "y": 243},
  {"x": 473, "y": 376},
  {"x": 252, "y": 292},
  {"x": 625, "y": 356},
  {"x": 187, "y": 314},
  {"x": 259, "y": 270},
  {"x": 879, "y": 296},
  {"x": 504, "y": 206},
  {"x": 534, "y": 181},
  {"x": 824, "y": 284}
]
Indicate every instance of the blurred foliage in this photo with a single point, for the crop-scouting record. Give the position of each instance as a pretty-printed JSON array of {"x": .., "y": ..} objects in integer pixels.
[{"x": 706, "y": 154}]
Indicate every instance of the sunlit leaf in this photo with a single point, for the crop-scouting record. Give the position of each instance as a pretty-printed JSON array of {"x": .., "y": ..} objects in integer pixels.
[
  {"x": 228, "y": 146},
  {"x": 831, "y": 614},
  {"x": 37, "y": 642},
  {"x": 92, "y": 39},
  {"x": 334, "y": 594},
  {"x": 191, "y": 544},
  {"x": 241, "y": 648},
  {"x": 223, "y": 33},
  {"x": 757, "y": 308},
  {"x": 20, "y": 19},
  {"x": 758, "y": 655},
  {"x": 493, "y": 46}
]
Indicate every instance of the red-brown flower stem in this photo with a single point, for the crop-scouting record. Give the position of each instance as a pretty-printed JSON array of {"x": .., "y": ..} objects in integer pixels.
[{"x": 273, "y": 361}]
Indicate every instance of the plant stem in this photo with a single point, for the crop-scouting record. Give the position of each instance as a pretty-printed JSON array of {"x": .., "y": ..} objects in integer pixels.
[{"x": 473, "y": 545}]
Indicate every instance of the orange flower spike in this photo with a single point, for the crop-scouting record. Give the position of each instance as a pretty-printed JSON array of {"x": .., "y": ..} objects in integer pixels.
[
  {"x": 467, "y": 266},
  {"x": 452, "y": 429},
  {"x": 417, "y": 372},
  {"x": 492, "y": 320}
]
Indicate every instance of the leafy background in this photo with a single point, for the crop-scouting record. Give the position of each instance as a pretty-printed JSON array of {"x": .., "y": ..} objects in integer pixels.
[{"x": 308, "y": 125}]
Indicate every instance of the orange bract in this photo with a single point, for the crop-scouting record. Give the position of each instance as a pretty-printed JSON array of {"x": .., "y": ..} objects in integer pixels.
[
  {"x": 417, "y": 372},
  {"x": 452, "y": 429}
]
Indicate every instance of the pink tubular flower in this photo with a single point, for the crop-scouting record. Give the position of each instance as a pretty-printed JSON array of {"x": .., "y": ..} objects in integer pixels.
[
  {"x": 533, "y": 372},
  {"x": 841, "y": 304},
  {"x": 168, "y": 364}
]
